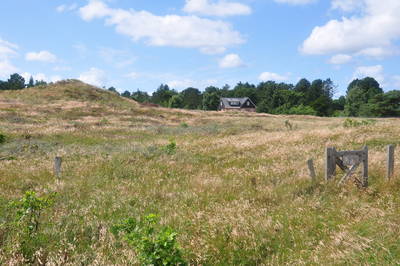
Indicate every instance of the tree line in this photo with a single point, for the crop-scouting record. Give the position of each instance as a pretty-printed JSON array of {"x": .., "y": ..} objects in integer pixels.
[
  {"x": 17, "y": 82},
  {"x": 364, "y": 98}
]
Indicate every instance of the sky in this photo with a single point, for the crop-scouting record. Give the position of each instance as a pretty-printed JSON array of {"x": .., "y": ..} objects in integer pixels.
[{"x": 139, "y": 44}]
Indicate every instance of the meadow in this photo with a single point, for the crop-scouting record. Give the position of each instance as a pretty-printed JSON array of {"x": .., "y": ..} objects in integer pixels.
[{"x": 233, "y": 186}]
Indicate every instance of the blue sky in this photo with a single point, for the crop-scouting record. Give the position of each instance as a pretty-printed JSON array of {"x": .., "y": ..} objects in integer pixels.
[{"x": 141, "y": 44}]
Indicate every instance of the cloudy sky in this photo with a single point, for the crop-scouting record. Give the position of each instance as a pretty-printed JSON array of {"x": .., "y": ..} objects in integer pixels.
[{"x": 141, "y": 44}]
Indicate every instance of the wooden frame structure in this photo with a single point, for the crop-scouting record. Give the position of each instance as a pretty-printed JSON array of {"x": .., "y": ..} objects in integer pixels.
[{"x": 348, "y": 161}]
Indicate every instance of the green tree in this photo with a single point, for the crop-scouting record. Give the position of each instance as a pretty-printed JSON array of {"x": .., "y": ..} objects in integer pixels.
[
  {"x": 126, "y": 94},
  {"x": 176, "y": 101},
  {"x": 31, "y": 83},
  {"x": 16, "y": 82},
  {"x": 140, "y": 96},
  {"x": 112, "y": 89},
  {"x": 192, "y": 98},
  {"x": 211, "y": 100},
  {"x": 302, "y": 86},
  {"x": 359, "y": 93},
  {"x": 162, "y": 95}
]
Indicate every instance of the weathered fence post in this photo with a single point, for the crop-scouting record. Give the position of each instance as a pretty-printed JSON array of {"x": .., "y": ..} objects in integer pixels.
[
  {"x": 311, "y": 168},
  {"x": 365, "y": 167},
  {"x": 57, "y": 166},
  {"x": 330, "y": 163},
  {"x": 390, "y": 161}
]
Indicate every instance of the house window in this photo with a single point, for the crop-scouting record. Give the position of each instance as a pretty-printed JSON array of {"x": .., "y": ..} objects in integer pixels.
[
  {"x": 234, "y": 103},
  {"x": 248, "y": 103}
]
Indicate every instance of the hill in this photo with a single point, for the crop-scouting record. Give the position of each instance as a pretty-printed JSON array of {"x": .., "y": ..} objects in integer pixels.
[{"x": 233, "y": 186}]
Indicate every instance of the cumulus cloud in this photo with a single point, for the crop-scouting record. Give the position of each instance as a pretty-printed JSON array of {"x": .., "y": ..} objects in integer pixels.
[
  {"x": 65, "y": 8},
  {"x": 347, "y": 5},
  {"x": 375, "y": 72},
  {"x": 340, "y": 59},
  {"x": 373, "y": 29},
  {"x": 42, "y": 56},
  {"x": 6, "y": 68},
  {"x": 169, "y": 30},
  {"x": 296, "y": 2},
  {"x": 94, "y": 76},
  {"x": 221, "y": 8},
  {"x": 231, "y": 61},
  {"x": 267, "y": 76},
  {"x": 7, "y": 51}
]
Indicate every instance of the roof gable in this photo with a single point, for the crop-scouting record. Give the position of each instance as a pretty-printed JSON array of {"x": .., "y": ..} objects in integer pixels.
[{"x": 236, "y": 102}]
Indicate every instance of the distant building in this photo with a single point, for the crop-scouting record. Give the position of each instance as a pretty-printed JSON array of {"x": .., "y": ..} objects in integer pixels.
[{"x": 236, "y": 104}]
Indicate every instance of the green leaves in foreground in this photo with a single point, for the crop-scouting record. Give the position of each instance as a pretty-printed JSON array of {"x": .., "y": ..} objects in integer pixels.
[{"x": 154, "y": 245}]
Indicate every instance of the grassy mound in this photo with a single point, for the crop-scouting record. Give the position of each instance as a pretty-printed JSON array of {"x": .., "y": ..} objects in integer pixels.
[{"x": 227, "y": 188}]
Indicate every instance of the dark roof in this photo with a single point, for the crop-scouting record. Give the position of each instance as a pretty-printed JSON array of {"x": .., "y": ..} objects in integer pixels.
[{"x": 235, "y": 102}]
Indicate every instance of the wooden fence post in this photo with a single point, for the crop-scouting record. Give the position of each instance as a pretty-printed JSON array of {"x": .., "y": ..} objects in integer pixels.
[
  {"x": 365, "y": 167},
  {"x": 57, "y": 166},
  {"x": 330, "y": 163},
  {"x": 311, "y": 168},
  {"x": 390, "y": 161}
]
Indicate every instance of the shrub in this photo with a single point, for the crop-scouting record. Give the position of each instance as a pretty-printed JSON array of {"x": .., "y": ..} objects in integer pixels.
[
  {"x": 355, "y": 123},
  {"x": 26, "y": 220},
  {"x": 154, "y": 246},
  {"x": 2, "y": 138},
  {"x": 170, "y": 148}
]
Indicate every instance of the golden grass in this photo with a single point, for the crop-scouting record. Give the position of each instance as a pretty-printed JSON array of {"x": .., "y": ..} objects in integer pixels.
[{"x": 237, "y": 190}]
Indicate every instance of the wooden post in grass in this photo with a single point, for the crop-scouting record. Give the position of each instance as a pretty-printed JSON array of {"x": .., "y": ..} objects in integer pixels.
[
  {"x": 330, "y": 163},
  {"x": 390, "y": 161},
  {"x": 365, "y": 167},
  {"x": 57, "y": 166},
  {"x": 311, "y": 169}
]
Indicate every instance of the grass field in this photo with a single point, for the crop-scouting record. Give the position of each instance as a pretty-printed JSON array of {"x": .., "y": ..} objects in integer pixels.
[{"x": 235, "y": 189}]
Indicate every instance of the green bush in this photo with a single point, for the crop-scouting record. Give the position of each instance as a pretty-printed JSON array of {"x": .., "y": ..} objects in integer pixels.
[
  {"x": 348, "y": 122},
  {"x": 154, "y": 245},
  {"x": 170, "y": 148},
  {"x": 26, "y": 213},
  {"x": 2, "y": 138}
]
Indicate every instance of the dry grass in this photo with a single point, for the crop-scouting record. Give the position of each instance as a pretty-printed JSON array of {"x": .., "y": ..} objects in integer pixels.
[{"x": 237, "y": 189}]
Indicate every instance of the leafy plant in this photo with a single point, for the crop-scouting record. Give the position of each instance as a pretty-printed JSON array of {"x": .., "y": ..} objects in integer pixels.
[
  {"x": 354, "y": 123},
  {"x": 27, "y": 212},
  {"x": 154, "y": 245},
  {"x": 170, "y": 148},
  {"x": 2, "y": 138},
  {"x": 184, "y": 125},
  {"x": 288, "y": 125}
]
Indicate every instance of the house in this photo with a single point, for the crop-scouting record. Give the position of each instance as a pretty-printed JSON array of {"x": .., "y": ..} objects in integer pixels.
[{"x": 236, "y": 104}]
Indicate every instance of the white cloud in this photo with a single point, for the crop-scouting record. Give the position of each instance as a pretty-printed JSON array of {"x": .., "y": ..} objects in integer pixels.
[
  {"x": 6, "y": 68},
  {"x": 340, "y": 59},
  {"x": 376, "y": 25},
  {"x": 65, "y": 8},
  {"x": 267, "y": 76},
  {"x": 94, "y": 76},
  {"x": 377, "y": 52},
  {"x": 231, "y": 61},
  {"x": 347, "y": 5},
  {"x": 42, "y": 56},
  {"x": 296, "y": 2},
  {"x": 375, "y": 72},
  {"x": 7, "y": 50},
  {"x": 221, "y": 8},
  {"x": 169, "y": 30}
]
